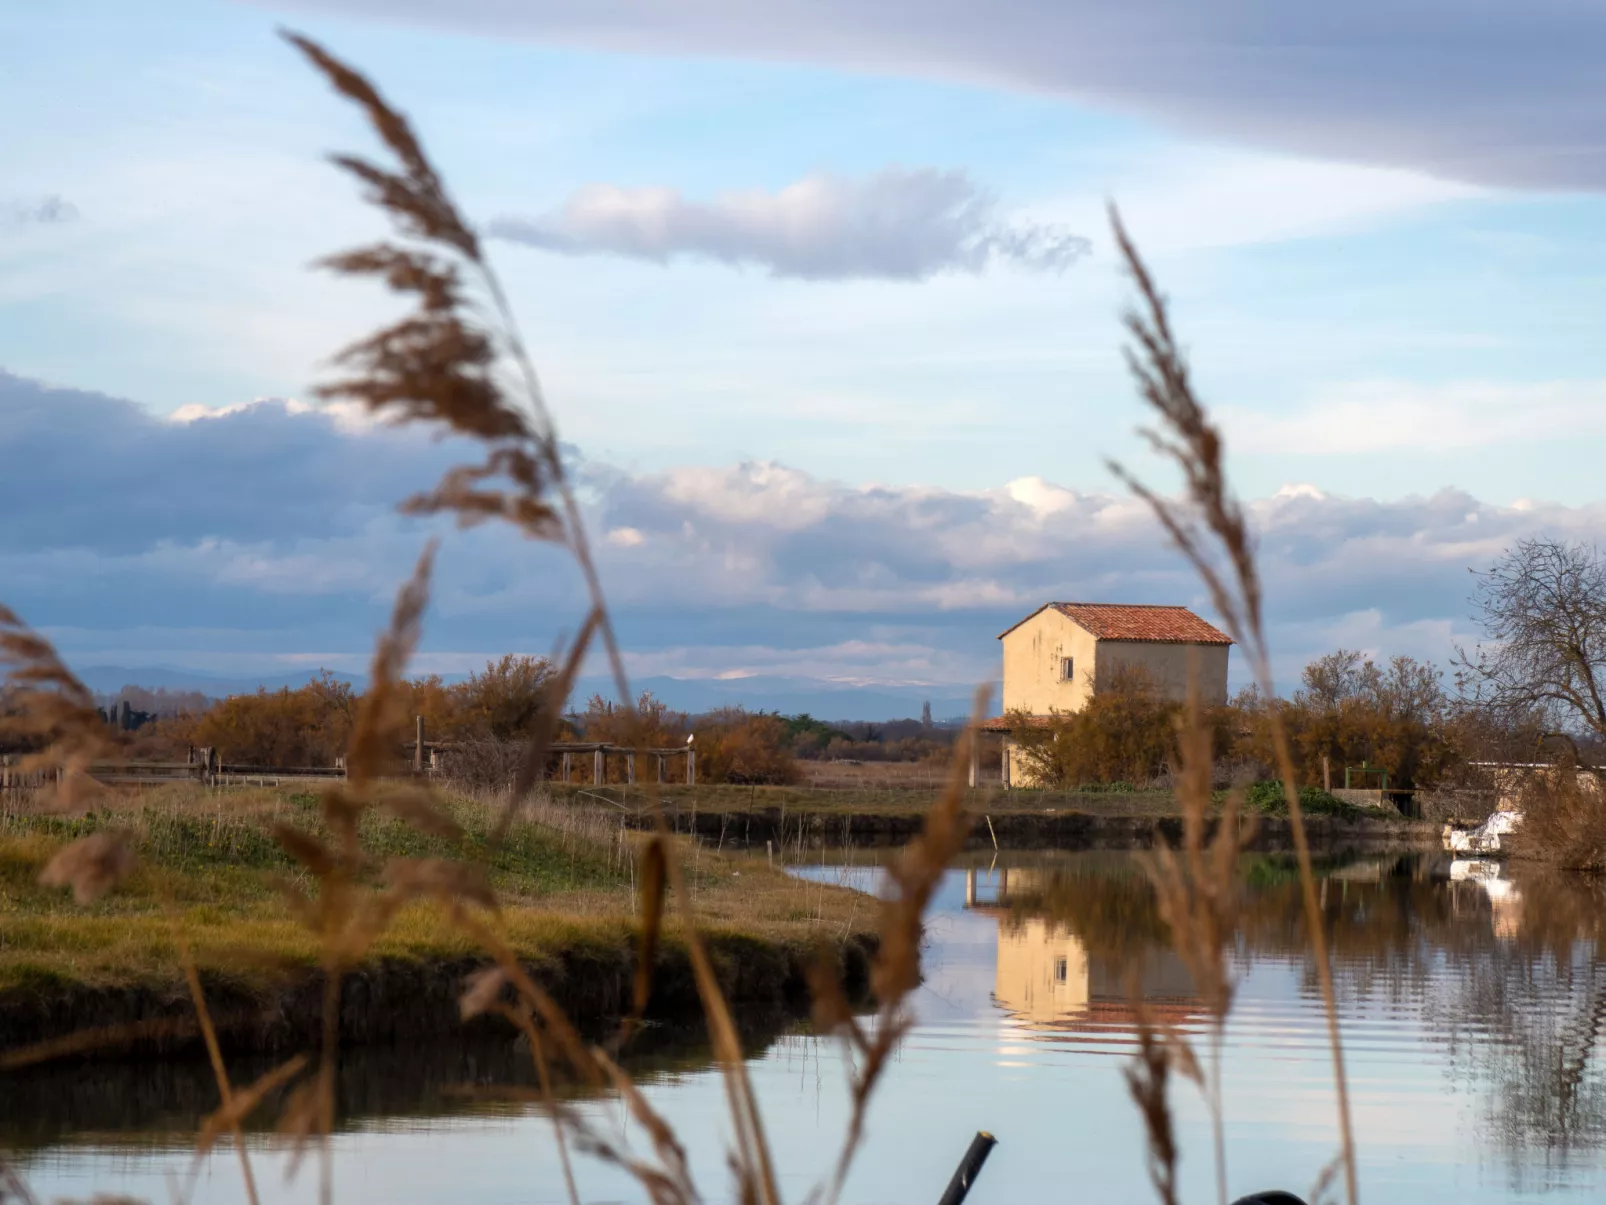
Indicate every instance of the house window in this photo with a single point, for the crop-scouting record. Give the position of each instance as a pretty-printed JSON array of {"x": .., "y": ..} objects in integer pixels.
[
  {"x": 1060, "y": 969},
  {"x": 1067, "y": 669}
]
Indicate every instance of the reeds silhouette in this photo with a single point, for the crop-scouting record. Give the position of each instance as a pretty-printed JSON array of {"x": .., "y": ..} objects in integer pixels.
[{"x": 458, "y": 364}]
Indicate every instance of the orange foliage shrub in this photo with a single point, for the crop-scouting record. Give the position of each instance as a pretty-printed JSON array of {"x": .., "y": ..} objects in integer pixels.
[
  {"x": 1125, "y": 733},
  {"x": 738, "y": 746},
  {"x": 282, "y": 728}
]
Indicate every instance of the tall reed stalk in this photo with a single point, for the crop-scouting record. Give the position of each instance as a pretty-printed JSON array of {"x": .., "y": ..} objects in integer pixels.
[{"x": 1209, "y": 527}]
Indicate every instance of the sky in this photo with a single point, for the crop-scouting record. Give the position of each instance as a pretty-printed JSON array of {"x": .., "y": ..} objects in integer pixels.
[{"x": 825, "y": 300}]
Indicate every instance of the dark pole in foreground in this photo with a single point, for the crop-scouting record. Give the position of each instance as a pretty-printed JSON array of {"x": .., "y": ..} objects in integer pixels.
[{"x": 969, "y": 1168}]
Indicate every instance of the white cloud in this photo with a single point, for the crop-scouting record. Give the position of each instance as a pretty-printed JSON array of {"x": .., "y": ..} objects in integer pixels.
[
  {"x": 269, "y": 532},
  {"x": 1379, "y": 415},
  {"x": 1201, "y": 199},
  {"x": 897, "y": 224}
]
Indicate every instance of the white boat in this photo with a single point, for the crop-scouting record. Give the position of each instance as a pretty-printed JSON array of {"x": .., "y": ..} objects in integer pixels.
[{"x": 1485, "y": 838}]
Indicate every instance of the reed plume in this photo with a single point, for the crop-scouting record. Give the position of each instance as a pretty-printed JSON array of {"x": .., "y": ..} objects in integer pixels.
[
  {"x": 45, "y": 707},
  {"x": 1209, "y": 527}
]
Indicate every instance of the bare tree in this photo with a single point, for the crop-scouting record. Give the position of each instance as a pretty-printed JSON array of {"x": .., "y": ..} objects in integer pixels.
[{"x": 1542, "y": 608}]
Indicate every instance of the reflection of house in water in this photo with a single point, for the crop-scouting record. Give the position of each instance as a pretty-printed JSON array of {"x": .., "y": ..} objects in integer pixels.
[{"x": 1047, "y": 976}]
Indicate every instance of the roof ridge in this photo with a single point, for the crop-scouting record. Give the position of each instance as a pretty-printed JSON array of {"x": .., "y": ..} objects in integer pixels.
[
  {"x": 1174, "y": 623},
  {"x": 1126, "y": 606}
]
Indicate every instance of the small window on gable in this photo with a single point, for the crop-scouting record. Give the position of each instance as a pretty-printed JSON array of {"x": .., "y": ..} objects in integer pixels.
[
  {"x": 1060, "y": 969},
  {"x": 1067, "y": 669}
]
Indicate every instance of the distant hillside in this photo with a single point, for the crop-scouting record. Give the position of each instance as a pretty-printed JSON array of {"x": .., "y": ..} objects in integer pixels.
[
  {"x": 110, "y": 679},
  {"x": 795, "y": 696},
  {"x": 789, "y": 696}
]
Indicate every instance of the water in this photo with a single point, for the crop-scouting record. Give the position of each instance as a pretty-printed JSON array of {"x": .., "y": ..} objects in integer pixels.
[{"x": 1472, "y": 1007}]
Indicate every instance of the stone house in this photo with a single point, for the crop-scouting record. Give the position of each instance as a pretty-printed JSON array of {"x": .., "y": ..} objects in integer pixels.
[{"x": 1059, "y": 657}]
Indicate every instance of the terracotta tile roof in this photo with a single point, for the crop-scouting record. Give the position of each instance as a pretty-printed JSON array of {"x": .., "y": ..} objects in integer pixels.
[
  {"x": 1007, "y": 724},
  {"x": 1136, "y": 621}
]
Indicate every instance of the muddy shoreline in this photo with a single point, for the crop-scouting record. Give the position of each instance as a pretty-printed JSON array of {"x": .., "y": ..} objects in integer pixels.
[{"x": 397, "y": 1001}]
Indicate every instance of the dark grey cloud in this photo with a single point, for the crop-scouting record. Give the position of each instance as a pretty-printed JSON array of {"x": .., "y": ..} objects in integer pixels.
[
  {"x": 88, "y": 471},
  {"x": 897, "y": 224},
  {"x": 239, "y": 539},
  {"x": 1487, "y": 91},
  {"x": 38, "y": 211}
]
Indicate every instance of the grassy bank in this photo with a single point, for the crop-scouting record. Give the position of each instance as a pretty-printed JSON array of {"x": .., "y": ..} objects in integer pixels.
[{"x": 565, "y": 879}]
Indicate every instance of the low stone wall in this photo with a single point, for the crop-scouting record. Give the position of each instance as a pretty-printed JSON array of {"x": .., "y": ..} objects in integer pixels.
[{"x": 1069, "y": 830}]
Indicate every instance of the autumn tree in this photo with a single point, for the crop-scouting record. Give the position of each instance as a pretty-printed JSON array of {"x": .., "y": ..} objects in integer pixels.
[
  {"x": 1125, "y": 733},
  {"x": 502, "y": 702},
  {"x": 738, "y": 746},
  {"x": 310, "y": 726}
]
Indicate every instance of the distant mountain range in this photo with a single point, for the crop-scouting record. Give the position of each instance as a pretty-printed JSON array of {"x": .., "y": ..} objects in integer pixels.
[
  {"x": 793, "y": 696},
  {"x": 109, "y": 679},
  {"x": 790, "y": 696}
]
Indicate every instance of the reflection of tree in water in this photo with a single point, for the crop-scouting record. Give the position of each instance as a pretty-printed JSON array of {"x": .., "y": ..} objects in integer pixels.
[
  {"x": 1511, "y": 981},
  {"x": 1541, "y": 1017}
]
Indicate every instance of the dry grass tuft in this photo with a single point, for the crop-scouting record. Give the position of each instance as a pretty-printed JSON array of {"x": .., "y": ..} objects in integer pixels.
[
  {"x": 91, "y": 866},
  {"x": 1563, "y": 818},
  {"x": 44, "y": 706},
  {"x": 1209, "y": 527},
  {"x": 382, "y": 711}
]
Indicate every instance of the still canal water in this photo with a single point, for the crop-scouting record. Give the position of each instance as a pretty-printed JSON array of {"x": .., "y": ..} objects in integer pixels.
[{"x": 1473, "y": 1009}]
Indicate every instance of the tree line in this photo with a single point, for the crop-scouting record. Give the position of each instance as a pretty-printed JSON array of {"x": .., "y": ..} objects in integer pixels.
[{"x": 1533, "y": 690}]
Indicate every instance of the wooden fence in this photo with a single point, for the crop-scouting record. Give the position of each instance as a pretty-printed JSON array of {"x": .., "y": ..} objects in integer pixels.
[{"x": 205, "y": 767}]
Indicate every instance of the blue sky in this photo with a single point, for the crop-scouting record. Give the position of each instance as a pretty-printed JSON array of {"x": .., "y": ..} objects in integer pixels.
[{"x": 820, "y": 261}]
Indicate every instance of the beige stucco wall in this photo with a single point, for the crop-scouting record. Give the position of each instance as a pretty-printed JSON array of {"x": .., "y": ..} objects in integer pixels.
[
  {"x": 1034, "y": 651},
  {"x": 1168, "y": 666},
  {"x": 1032, "y": 656}
]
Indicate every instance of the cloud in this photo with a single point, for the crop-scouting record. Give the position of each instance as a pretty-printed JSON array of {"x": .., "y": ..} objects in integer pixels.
[
  {"x": 1381, "y": 415},
  {"x": 88, "y": 471},
  {"x": 264, "y": 537},
  {"x": 1503, "y": 94},
  {"x": 42, "y": 211},
  {"x": 895, "y": 225}
]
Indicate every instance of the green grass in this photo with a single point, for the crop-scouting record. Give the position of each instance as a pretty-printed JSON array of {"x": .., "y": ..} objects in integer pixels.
[
  {"x": 213, "y": 856},
  {"x": 1268, "y": 799}
]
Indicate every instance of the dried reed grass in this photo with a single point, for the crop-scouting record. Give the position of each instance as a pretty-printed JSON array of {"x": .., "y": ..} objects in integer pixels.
[
  {"x": 1209, "y": 527},
  {"x": 45, "y": 707}
]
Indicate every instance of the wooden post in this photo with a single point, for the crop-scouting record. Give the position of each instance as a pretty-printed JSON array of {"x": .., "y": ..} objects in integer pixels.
[
  {"x": 418, "y": 744},
  {"x": 1003, "y": 758},
  {"x": 630, "y": 768},
  {"x": 660, "y": 760},
  {"x": 970, "y": 887},
  {"x": 691, "y": 767},
  {"x": 566, "y": 760},
  {"x": 975, "y": 757},
  {"x": 599, "y": 765},
  {"x": 969, "y": 1168},
  {"x": 1327, "y": 775}
]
